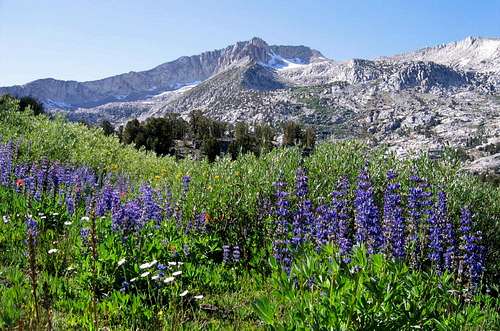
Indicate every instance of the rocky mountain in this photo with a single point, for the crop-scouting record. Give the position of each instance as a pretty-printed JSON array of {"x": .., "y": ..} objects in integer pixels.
[
  {"x": 165, "y": 77},
  {"x": 447, "y": 95}
]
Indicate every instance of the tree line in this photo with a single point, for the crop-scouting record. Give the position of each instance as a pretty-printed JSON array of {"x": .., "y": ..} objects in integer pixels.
[{"x": 211, "y": 137}]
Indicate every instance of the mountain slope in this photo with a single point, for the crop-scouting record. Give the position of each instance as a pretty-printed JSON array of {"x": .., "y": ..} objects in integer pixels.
[
  {"x": 472, "y": 53},
  {"x": 165, "y": 77}
]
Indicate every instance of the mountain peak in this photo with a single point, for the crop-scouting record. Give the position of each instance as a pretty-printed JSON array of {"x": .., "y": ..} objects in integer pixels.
[
  {"x": 258, "y": 42},
  {"x": 472, "y": 53}
]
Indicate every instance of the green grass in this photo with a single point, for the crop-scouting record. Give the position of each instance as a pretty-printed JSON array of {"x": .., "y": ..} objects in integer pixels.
[{"x": 230, "y": 192}]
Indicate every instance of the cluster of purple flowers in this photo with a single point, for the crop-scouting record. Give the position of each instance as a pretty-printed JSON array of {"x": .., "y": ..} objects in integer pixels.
[
  {"x": 422, "y": 233},
  {"x": 105, "y": 194},
  {"x": 228, "y": 257}
]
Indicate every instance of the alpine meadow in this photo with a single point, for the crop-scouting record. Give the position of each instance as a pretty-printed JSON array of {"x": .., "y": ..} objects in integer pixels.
[{"x": 252, "y": 187}]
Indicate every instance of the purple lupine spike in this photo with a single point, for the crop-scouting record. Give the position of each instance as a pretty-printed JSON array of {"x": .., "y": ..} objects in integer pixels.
[
  {"x": 419, "y": 202},
  {"x": 301, "y": 183},
  {"x": 236, "y": 254},
  {"x": 6, "y": 158},
  {"x": 281, "y": 243},
  {"x": 150, "y": 208},
  {"x": 168, "y": 204},
  {"x": 472, "y": 251},
  {"x": 225, "y": 253},
  {"x": 70, "y": 203},
  {"x": 340, "y": 210},
  {"x": 368, "y": 229},
  {"x": 84, "y": 234},
  {"x": 185, "y": 185},
  {"x": 303, "y": 218},
  {"x": 31, "y": 227},
  {"x": 393, "y": 222},
  {"x": 323, "y": 226}
]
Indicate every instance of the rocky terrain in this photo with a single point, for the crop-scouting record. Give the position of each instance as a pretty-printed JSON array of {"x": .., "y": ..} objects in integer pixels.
[{"x": 447, "y": 95}]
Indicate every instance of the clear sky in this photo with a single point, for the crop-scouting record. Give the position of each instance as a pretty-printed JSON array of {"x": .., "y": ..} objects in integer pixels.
[{"x": 85, "y": 40}]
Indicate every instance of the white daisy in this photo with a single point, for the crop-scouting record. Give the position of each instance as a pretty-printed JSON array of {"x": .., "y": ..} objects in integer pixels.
[
  {"x": 145, "y": 274},
  {"x": 68, "y": 223},
  {"x": 52, "y": 251},
  {"x": 172, "y": 263},
  {"x": 121, "y": 262},
  {"x": 156, "y": 277},
  {"x": 177, "y": 273},
  {"x": 168, "y": 280},
  {"x": 183, "y": 294},
  {"x": 144, "y": 266},
  {"x": 198, "y": 297}
]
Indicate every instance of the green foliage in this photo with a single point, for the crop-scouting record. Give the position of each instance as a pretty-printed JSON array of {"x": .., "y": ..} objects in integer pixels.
[
  {"x": 107, "y": 128},
  {"x": 31, "y": 103},
  {"x": 387, "y": 296},
  {"x": 368, "y": 293}
]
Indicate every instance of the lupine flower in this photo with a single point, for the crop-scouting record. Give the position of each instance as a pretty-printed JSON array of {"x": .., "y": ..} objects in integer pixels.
[
  {"x": 236, "y": 253},
  {"x": 84, "y": 234},
  {"x": 438, "y": 221},
  {"x": 31, "y": 227},
  {"x": 368, "y": 229},
  {"x": 150, "y": 208},
  {"x": 168, "y": 204},
  {"x": 225, "y": 253},
  {"x": 125, "y": 286},
  {"x": 185, "y": 184},
  {"x": 340, "y": 214},
  {"x": 419, "y": 202},
  {"x": 472, "y": 258},
  {"x": 303, "y": 219},
  {"x": 70, "y": 203},
  {"x": 394, "y": 223},
  {"x": 281, "y": 250}
]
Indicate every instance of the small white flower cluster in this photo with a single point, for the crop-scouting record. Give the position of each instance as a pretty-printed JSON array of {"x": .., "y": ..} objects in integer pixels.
[{"x": 6, "y": 219}]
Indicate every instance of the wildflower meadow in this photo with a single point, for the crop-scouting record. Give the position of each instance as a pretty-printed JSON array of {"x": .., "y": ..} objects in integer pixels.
[{"x": 96, "y": 235}]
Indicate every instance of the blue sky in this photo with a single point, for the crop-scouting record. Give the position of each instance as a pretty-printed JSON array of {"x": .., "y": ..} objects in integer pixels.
[{"x": 85, "y": 40}]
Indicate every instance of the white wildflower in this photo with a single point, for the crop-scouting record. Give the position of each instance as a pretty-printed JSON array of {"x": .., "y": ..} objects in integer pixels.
[
  {"x": 156, "y": 277},
  {"x": 172, "y": 263},
  {"x": 68, "y": 223},
  {"x": 168, "y": 280},
  {"x": 52, "y": 251},
  {"x": 198, "y": 297},
  {"x": 85, "y": 219},
  {"x": 121, "y": 262},
  {"x": 145, "y": 274},
  {"x": 133, "y": 280},
  {"x": 6, "y": 219},
  {"x": 183, "y": 294},
  {"x": 144, "y": 266},
  {"x": 177, "y": 273}
]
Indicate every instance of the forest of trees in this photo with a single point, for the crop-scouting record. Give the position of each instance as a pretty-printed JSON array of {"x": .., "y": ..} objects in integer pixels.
[
  {"x": 210, "y": 137},
  {"x": 202, "y": 134}
]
